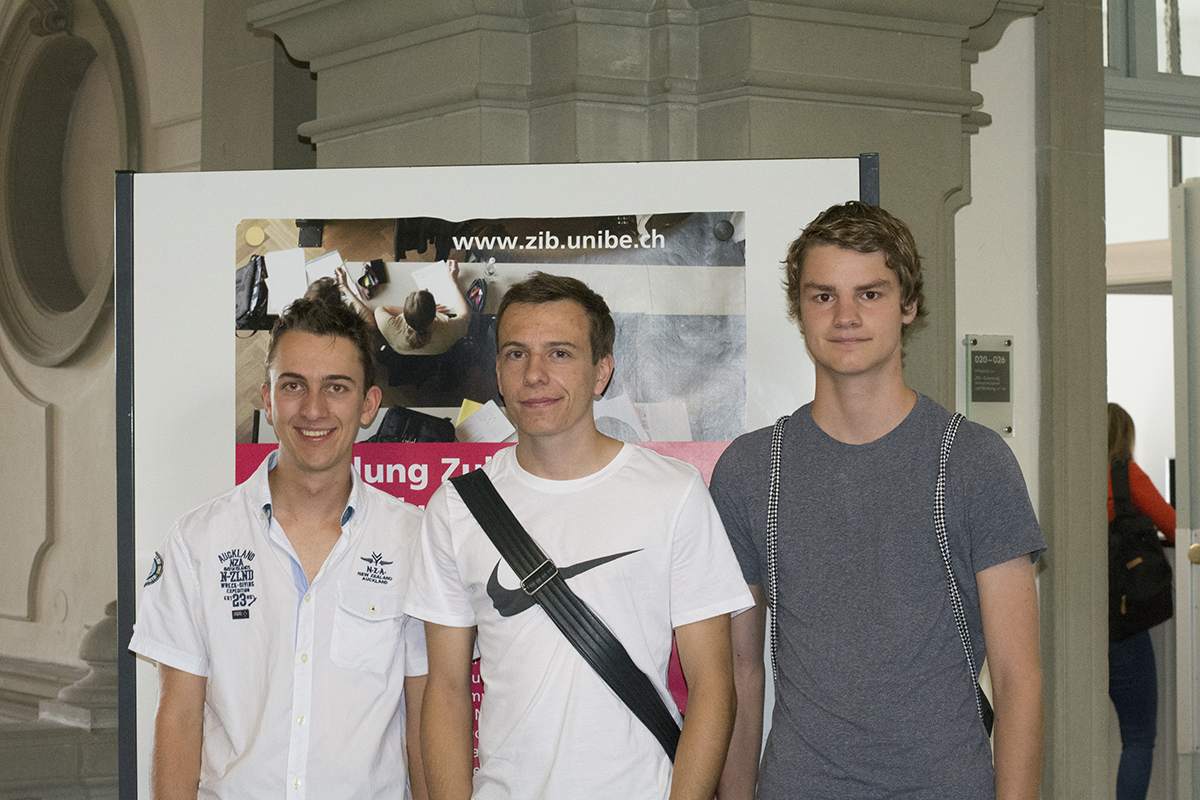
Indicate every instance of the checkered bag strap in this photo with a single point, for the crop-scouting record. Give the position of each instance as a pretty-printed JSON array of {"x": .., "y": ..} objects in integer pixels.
[
  {"x": 772, "y": 538},
  {"x": 960, "y": 617}
]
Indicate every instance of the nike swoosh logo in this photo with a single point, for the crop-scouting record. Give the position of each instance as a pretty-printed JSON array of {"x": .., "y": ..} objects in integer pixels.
[{"x": 510, "y": 602}]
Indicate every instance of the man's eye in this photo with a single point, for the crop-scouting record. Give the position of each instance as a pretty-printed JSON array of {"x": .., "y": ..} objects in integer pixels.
[
  {"x": 336, "y": 388},
  {"x": 871, "y": 295}
]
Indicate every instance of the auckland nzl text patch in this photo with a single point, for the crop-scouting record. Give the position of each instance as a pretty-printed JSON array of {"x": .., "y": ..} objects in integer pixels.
[{"x": 237, "y": 580}]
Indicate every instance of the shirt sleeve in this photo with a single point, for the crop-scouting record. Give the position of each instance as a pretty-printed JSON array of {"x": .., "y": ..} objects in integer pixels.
[
  {"x": 170, "y": 628},
  {"x": 731, "y": 481},
  {"x": 436, "y": 592},
  {"x": 1000, "y": 521},
  {"x": 705, "y": 579},
  {"x": 1148, "y": 501}
]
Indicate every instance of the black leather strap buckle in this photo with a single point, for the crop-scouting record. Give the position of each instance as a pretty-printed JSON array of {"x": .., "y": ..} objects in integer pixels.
[{"x": 542, "y": 575}]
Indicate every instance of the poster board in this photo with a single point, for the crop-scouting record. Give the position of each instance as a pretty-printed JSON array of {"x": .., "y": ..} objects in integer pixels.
[{"x": 177, "y": 242}]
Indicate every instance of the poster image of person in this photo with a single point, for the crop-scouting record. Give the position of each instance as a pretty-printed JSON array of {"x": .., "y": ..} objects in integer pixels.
[{"x": 430, "y": 287}]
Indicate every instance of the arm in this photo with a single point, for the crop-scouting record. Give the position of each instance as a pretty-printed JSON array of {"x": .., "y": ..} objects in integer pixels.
[
  {"x": 178, "y": 734},
  {"x": 1009, "y": 604},
  {"x": 1148, "y": 501},
  {"x": 740, "y": 776},
  {"x": 351, "y": 297},
  {"x": 705, "y": 655},
  {"x": 414, "y": 695},
  {"x": 457, "y": 304},
  {"x": 447, "y": 747}
]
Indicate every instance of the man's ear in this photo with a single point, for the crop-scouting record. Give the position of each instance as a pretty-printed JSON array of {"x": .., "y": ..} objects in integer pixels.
[
  {"x": 266, "y": 398},
  {"x": 605, "y": 368},
  {"x": 370, "y": 406},
  {"x": 910, "y": 313}
]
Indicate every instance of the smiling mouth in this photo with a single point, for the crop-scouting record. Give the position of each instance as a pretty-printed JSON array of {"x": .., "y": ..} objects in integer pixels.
[{"x": 313, "y": 434}]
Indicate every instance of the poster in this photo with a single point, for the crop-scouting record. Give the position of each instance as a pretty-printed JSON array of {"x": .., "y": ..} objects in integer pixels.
[
  {"x": 675, "y": 282},
  {"x": 181, "y": 412}
]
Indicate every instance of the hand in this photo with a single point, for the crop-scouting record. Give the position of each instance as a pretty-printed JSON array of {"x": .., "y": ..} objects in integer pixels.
[{"x": 452, "y": 268}]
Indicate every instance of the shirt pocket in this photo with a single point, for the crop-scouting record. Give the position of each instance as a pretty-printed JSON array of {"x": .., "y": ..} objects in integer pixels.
[{"x": 366, "y": 628}]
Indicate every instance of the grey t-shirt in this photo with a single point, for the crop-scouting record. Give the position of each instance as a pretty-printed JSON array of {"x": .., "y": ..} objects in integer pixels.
[{"x": 874, "y": 698}]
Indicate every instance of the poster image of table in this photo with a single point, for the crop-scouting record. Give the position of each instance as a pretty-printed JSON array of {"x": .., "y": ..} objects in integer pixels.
[{"x": 675, "y": 282}]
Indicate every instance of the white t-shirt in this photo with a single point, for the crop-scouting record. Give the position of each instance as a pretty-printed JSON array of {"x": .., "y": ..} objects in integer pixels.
[
  {"x": 641, "y": 543},
  {"x": 304, "y": 681}
]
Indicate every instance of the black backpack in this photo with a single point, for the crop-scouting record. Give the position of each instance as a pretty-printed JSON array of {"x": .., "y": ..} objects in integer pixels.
[{"x": 1140, "y": 594}]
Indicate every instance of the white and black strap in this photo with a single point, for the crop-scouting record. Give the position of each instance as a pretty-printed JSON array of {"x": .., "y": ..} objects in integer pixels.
[
  {"x": 982, "y": 705},
  {"x": 939, "y": 517},
  {"x": 772, "y": 539}
]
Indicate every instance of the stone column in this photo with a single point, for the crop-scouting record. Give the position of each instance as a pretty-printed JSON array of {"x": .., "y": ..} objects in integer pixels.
[{"x": 494, "y": 82}]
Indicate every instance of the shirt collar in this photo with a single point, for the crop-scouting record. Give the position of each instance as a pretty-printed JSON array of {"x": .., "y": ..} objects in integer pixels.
[{"x": 262, "y": 490}]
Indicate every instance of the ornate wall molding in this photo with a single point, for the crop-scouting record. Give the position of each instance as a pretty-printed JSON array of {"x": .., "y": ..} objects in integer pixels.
[
  {"x": 26, "y": 494},
  {"x": 45, "y": 54}
]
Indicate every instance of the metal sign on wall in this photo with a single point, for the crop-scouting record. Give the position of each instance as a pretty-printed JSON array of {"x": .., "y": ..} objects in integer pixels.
[{"x": 989, "y": 382}]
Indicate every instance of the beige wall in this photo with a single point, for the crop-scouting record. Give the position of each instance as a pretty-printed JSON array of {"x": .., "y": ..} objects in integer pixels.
[{"x": 77, "y": 577}]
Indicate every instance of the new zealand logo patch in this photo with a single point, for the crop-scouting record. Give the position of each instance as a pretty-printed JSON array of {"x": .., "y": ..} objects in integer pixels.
[
  {"x": 156, "y": 570},
  {"x": 237, "y": 579},
  {"x": 375, "y": 572}
]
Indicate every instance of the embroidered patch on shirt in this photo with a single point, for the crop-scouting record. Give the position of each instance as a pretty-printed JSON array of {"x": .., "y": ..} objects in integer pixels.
[
  {"x": 156, "y": 570},
  {"x": 375, "y": 572},
  {"x": 237, "y": 579}
]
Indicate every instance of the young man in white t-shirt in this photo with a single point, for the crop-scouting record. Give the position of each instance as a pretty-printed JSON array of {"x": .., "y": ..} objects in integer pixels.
[
  {"x": 286, "y": 664},
  {"x": 636, "y": 537}
]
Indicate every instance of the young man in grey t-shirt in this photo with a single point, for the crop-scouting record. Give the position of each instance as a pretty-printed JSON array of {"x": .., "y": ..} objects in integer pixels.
[{"x": 874, "y": 697}]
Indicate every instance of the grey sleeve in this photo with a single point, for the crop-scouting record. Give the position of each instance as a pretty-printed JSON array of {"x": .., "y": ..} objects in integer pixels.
[
  {"x": 996, "y": 513},
  {"x": 739, "y": 491}
]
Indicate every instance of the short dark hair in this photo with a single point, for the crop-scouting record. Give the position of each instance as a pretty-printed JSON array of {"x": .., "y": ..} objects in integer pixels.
[
  {"x": 542, "y": 287},
  {"x": 420, "y": 310},
  {"x": 321, "y": 312},
  {"x": 865, "y": 229}
]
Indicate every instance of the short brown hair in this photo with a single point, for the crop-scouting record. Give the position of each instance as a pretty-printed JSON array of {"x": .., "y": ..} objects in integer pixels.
[
  {"x": 865, "y": 229},
  {"x": 1120, "y": 434},
  {"x": 420, "y": 309},
  {"x": 321, "y": 312},
  {"x": 542, "y": 287}
]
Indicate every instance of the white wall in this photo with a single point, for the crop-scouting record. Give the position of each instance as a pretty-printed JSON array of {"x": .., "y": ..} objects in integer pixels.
[
  {"x": 1141, "y": 375},
  {"x": 996, "y": 241}
]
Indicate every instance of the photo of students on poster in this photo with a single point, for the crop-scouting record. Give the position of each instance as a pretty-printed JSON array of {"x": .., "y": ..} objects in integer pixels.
[{"x": 429, "y": 288}]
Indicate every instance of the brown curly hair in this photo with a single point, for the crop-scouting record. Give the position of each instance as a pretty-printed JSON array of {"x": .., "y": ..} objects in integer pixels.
[{"x": 865, "y": 229}]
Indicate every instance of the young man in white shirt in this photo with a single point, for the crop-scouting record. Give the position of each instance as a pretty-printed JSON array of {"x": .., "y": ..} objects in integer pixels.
[
  {"x": 275, "y": 611},
  {"x": 635, "y": 536},
  {"x": 874, "y": 698}
]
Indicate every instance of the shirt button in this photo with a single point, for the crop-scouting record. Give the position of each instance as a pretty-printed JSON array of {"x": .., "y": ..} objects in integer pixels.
[
  {"x": 308, "y": 597},
  {"x": 374, "y": 608},
  {"x": 304, "y": 657},
  {"x": 296, "y": 783},
  {"x": 300, "y": 721}
]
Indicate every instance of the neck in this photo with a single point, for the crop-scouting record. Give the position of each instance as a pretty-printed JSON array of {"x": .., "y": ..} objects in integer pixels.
[
  {"x": 296, "y": 494},
  {"x": 857, "y": 411},
  {"x": 561, "y": 459}
]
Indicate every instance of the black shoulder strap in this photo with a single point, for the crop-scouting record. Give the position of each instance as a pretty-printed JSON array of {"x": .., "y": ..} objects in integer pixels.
[
  {"x": 1119, "y": 474},
  {"x": 583, "y": 629}
]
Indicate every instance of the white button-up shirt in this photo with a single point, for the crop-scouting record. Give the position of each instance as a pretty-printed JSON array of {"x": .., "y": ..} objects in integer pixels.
[{"x": 304, "y": 695}]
